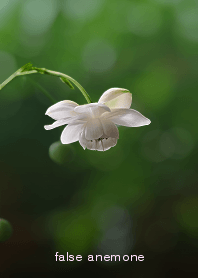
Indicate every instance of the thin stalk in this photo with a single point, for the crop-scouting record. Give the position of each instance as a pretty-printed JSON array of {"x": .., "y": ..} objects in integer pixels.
[
  {"x": 59, "y": 74},
  {"x": 17, "y": 73},
  {"x": 28, "y": 69}
]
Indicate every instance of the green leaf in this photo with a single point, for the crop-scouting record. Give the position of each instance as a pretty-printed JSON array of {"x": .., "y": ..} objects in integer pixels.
[
  {"x": 64, "y": 80},
  {"x": 26, "y": 67}
]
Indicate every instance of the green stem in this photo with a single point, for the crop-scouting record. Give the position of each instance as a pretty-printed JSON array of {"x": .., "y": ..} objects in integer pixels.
[
  {"x": 17, "y": 73},
  {"x": 59, "y": 74},
  {"x": 28, "y": 69}
]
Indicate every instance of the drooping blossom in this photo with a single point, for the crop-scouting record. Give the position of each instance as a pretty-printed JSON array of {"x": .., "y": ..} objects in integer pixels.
[{"x": 94, "y": 124}]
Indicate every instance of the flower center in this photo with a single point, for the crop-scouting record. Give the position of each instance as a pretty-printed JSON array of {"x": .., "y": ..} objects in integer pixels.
[{"x": 100, "y": 139}]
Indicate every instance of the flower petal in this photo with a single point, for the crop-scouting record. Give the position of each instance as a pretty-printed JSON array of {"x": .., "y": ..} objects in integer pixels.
[
  {"x": 71, "y": 133},
  {"x": 108, "y": 143},
  {"x": 82, "y": 143},
  {"x": 56, "y": 124},
  {"x": 116, "y": 98},
  {"x": 82, "y": 139},
  {"x": 89, "y": 144},
  {"x": 127, "y": 117},
  {"x": 109, "y": 128},
  {"x": 79, "y": 119},
  {"x": 93, "y": 129},
  {"x": 93, "y": 110},
  {"x": 62, "y": 109},
  {"x": 98, "y": 145}
]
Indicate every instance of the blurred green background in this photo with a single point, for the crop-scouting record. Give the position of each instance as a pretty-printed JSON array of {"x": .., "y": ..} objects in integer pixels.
[{"x": 140, "y": 197}]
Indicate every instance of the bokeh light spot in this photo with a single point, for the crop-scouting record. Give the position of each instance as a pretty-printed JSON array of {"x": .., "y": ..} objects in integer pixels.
[
  {"x": 37, "y": 16},
  {"x": 8, "y": 65},
  {"x": 187, "y": 22},
  {"x": 144, "y": 19},
  {"x": 99, "y": 56},
  {"x": 5, "y": 230},
  {"x": 61, "y": 154},
  {"x": 167, "y": 2},
  {"x": 175, "y": 143},
  {"x": 116, "y": 226},
  {"x": 82, "y": 10},
  {"x": 115, "y": 215},
  {"x": 72, "y": 230}
]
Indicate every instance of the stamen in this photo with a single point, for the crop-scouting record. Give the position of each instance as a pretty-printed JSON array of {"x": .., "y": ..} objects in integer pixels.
[{"x": 99, "y": 139}]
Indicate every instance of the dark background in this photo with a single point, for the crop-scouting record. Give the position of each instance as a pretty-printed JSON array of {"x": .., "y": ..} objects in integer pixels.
[{"x": 140, "y": 197}]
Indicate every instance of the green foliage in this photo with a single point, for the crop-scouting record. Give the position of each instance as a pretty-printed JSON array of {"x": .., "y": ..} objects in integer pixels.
[{"x": 5, "y": 230}]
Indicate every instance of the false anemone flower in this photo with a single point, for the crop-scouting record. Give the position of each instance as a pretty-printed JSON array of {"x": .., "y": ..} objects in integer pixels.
[{"x": 94, "y": 124}]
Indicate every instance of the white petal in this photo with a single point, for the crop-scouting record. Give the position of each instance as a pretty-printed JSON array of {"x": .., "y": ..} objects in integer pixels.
[
  {"x": 63, "y": 103},
  {"x": 84, "y": 142},
  {"x": 108, "y": 143},
  {"x": 93, "y": 129},
  {"x": 127, "y": 117},
  {"x": 56, "y": 124},
  {"x": 62, "y": 109},
  {"x": 116, "y": 98},
  {"x": 79, "y": 119},
  {"x": 82, "y": 139},
  {"x": 109, "y": 128},
  {"x": 89, "y": 144},
  {"x": 98, "y": 145},
  {"x": 93, "y": 110},
  {"x": 105, "y": 144},
  {"x": 71, "y": 133}
]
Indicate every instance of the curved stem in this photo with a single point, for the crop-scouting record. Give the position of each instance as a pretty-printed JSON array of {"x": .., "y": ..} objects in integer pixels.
[
  {"x": 59, "y": 74},
  {"x": 29, "y": 69}
]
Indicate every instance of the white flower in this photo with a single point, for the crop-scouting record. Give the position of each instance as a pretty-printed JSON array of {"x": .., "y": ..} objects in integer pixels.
[{"x": 94, "y": 124}]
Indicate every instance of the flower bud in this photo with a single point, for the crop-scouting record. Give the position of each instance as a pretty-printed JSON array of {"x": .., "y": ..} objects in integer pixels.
[
  {"x": 5, "y": 230},
  {"x": 61, "y": 154}
]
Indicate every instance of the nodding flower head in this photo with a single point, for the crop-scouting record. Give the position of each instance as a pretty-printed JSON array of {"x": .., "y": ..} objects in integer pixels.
[{"x": 94, "y": 124}]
